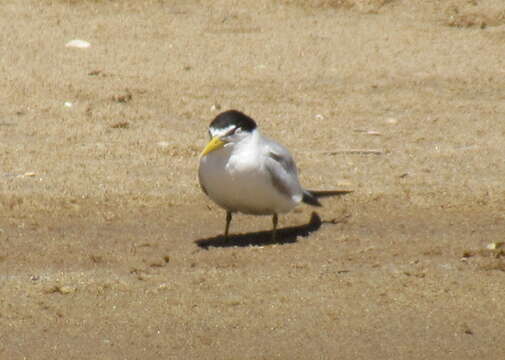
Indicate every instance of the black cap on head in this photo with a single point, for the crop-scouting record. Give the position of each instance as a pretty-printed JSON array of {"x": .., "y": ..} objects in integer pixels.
[{"x": 233, "y": 117}]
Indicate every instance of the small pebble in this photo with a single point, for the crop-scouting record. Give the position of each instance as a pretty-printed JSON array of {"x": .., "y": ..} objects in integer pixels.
[
  {"x": 495, "y": 245},
  {"x": 373, "y": 132},
  {"x": 163, "y": 144},
  {"x": 65, "y": 289},
  {"x": 215, "y": 107}
]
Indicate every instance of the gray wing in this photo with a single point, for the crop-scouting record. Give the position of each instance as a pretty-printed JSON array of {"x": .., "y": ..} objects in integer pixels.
[{"x": 282, "y": 170}]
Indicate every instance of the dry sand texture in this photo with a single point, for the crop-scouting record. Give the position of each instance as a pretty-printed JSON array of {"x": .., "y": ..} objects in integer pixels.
[{"x": 109, "y": 250}]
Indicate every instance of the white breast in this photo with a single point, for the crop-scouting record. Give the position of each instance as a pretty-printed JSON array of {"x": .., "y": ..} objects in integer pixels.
[{"x": 237, "y": 181}]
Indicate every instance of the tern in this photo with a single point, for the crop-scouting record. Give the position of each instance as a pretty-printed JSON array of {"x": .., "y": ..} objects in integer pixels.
[{"x": 245, "y": 172}]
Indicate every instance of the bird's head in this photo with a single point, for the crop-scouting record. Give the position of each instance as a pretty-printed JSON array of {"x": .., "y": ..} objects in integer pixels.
[{"x": 228, "y": 128}]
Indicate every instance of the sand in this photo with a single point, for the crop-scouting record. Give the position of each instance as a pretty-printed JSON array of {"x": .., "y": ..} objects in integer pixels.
[{"x": 109, "y": 249}]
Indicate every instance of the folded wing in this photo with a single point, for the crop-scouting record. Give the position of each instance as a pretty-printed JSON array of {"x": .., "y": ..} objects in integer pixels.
[{"x": 283, "y": 173}]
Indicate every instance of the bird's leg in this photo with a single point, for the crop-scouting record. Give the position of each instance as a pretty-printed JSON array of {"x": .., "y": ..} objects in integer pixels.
[
  {"x": 274, "y": 231},
  {"x": 228, "y": 221}
]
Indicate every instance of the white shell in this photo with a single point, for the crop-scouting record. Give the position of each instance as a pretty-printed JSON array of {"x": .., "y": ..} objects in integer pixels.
[{"x": 81, "y": 44}]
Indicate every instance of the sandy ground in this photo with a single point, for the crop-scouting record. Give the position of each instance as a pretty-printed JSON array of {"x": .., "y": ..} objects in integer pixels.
[{"x": 109, "y": 250}]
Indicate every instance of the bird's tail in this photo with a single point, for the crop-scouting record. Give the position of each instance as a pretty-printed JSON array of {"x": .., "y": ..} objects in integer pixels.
[{"x": 311, "y": 197}]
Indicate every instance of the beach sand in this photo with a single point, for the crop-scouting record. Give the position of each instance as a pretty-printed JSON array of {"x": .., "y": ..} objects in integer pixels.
[{"x": 109, "y": 249}]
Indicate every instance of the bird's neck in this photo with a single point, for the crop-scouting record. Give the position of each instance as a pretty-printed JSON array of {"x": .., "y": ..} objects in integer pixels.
[{"x": 248, "y": 143}]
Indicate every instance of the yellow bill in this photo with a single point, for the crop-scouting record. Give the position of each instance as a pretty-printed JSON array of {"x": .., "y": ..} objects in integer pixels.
[{"x": 214, "y": 144}]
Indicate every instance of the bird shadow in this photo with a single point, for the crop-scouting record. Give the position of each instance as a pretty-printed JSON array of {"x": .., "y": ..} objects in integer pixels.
[{"x": 286, "y": 235}]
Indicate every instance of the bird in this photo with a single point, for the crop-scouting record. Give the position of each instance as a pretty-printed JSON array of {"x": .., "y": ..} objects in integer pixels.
[{"x": 245, "y": 172}]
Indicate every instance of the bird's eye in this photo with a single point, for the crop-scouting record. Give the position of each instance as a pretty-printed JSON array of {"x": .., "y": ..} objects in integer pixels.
[
  {"x": 237, "y": 131},
  {"x": 233, "y": 131}
]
